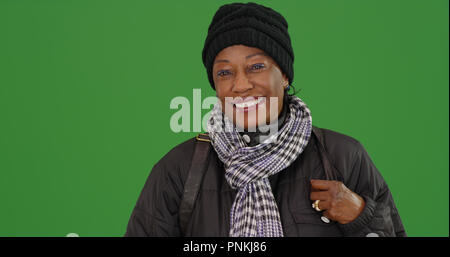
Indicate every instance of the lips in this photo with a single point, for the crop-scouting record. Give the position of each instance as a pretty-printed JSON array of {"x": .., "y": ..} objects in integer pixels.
[{"x": 248, "y": 104}]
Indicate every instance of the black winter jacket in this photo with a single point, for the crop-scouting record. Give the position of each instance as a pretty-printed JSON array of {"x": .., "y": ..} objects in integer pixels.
[{"x": 156, "y": 211}]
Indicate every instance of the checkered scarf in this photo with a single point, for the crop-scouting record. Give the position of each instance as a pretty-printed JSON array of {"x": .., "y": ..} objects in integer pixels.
[{"x": 254, "y": 212}]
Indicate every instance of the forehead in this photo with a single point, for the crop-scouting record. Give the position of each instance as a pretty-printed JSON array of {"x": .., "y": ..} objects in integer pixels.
[{"x": 239, "y": 52}]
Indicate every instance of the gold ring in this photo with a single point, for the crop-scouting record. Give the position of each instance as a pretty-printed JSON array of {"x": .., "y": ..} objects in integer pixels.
[{"x": 316, "y": 205}]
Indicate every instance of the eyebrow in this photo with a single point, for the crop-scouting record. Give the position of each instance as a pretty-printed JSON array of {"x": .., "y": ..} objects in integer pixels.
[{"x": 247, "y": 57}]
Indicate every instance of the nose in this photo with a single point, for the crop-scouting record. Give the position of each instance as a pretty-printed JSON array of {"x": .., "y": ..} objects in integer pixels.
[{"x": 241, "y": 83}]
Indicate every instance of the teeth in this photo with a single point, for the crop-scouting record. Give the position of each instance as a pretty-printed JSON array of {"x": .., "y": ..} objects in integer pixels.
[{"x": 249, "y": 103}]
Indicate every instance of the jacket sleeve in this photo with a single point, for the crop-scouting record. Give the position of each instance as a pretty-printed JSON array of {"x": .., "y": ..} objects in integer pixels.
[
  {"x": 156, "y": 211},
  {"x": 379, "y": 216}
]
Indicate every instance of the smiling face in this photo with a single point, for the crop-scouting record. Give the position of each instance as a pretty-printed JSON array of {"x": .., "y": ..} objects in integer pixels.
[{"x": 249, "y": 84}]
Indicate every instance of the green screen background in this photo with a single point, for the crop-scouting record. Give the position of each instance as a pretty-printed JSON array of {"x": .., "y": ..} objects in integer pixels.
[{"x": 85, "y": 88}]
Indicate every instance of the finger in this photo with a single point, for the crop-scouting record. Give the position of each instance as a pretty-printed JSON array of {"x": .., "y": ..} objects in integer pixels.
[
  {"x": 320, "y": 184},
  {"x": 324, "y": 205},
  {"x": 319, "y": 195},
  {"x": 327, "y": 215}
]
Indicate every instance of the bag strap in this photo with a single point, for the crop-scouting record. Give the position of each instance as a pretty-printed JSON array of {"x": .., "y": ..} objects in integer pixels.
[
  {"x": 331, "y": 173},
  {"x": 194, "y": 179}
]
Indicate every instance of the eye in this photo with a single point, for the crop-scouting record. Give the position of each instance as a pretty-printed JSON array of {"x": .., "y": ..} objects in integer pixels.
[
  {"x": 258, "y": 66},
  {"x": 222, "y": 73}
]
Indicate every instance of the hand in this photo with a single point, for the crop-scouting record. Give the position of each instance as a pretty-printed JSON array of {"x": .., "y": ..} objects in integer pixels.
[{"x": 337, "y": 201}]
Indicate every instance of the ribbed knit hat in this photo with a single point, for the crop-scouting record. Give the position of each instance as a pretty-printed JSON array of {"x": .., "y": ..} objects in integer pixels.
[{"x": 252, "y": 25}]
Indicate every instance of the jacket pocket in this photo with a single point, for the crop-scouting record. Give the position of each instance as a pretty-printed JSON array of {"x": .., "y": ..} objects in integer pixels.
[
  {"x": 307, "y": 217},
  {"x": 309, "y": 223}
]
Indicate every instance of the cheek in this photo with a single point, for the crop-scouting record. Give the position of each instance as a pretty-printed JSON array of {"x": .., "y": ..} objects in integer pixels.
[
  {"x": 221, "y": 91},
  {"x": 276, "y": 82},
  {"x": 275, "y": 90},
  {"x": 280, "y": 95},
  {"x": 220, "y": 96}
]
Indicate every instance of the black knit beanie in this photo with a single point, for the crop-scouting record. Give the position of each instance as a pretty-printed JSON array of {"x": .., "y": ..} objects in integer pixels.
[{"x": 252, "y": 25}]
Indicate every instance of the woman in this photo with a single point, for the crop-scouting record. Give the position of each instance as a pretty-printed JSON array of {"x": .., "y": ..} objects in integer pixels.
[{"x": 268, "y": 170}]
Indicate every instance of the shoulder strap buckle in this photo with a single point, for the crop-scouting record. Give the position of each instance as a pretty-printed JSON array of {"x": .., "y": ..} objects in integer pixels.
[{"x": 203, "y": 137}]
